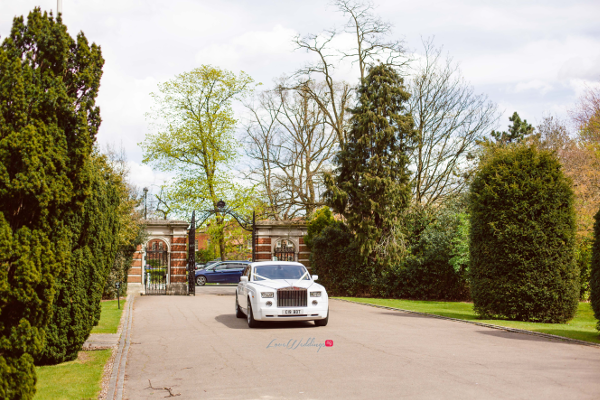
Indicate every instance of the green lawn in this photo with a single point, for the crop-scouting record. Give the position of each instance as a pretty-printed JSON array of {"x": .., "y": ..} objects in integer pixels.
[
  {"x": 79, "y": 379},
  {"x": 582, "y": 327},
  {"x": 110, "y": 317}
]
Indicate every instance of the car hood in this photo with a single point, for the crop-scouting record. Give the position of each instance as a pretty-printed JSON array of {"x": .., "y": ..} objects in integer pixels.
[{"x": 283, "y": 283}]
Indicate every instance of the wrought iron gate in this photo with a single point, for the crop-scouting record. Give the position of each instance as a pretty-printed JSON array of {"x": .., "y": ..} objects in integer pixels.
[
  {"x": 284, "y": 251},
  {"x": 191, "y": 266},
  {"x": 157, "y": 262}
]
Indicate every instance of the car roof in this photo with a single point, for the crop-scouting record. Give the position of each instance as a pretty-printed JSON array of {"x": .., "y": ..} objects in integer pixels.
[{"x": 258, "y": 264}]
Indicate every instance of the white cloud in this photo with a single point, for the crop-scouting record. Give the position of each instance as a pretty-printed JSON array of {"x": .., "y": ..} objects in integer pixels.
[
  {"x": 142, "y": 175},
  {"x": 536, "y": 84},
  {"x": 255, "y": 49}
]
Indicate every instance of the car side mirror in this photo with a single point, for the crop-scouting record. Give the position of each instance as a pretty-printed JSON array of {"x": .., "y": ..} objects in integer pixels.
[
  {"x": 244, "y": 279},
  {"x": 315, "y": 277}
]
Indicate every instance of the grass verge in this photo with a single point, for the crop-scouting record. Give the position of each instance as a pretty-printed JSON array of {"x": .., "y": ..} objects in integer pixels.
[
  {"x": 110, "y": 317},
  {"x": 79, "y": 379},
  {"x": 582, "y": 327}
]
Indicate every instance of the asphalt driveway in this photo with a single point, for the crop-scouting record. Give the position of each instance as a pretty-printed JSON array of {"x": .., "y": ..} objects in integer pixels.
[{"x": 196, "y": 347}]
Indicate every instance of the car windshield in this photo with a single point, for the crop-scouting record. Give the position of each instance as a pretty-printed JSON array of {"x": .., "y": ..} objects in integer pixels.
[{"x": 263, "y": 272}]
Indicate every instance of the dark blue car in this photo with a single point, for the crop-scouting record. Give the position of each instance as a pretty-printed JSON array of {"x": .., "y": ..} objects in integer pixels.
[{"x": 221, "y": 272}]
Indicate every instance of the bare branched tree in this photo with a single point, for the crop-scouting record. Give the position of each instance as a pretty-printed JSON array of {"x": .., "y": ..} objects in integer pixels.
[
  {"x": 372, "y": 45},
  {"x": 451, "y": 119},
  {"x": 290, "y": 144}
]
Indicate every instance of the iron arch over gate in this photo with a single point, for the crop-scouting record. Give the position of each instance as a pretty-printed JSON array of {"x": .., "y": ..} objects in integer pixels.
[{"x": 203, "y": 216}]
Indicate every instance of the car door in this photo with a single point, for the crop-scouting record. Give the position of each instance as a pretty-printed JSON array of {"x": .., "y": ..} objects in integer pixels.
[
  {"x": 208, "y": 273},
  {"x": 243, "y": 290},
  {"x": 220, "y": 275},
  {"x": 233, "y": 272}
]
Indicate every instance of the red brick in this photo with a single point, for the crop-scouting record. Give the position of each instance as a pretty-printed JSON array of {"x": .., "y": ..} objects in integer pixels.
[
  {"x": 178, "y": 263},
  {"x": 179, "y": 240},
  {"x": 263, "y": 240},
  {"x": 178, "y": 279},
  {"x": 178, "y": 247},
  {"x": 137, "y": 256},
  {"x": 134, "y": 279},
  {"x": 301, "y": 240},
  {"x": 135, "y": 271},
  {"x": 263, "y": 248},
  {"x": 136, "y": 263}
]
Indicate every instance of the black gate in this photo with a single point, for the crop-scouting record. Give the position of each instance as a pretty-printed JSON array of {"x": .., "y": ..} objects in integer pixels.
[
  {"x": 157, "y": 261},
  {"x": 284, "y": 251},
  {"x": 191, "y": 266}
]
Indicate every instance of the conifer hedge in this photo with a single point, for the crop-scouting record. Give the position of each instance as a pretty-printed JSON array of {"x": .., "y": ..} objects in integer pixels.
[
  {"x": 595, "y": 273},
  {"x": 95, "y": 240},
  {"x": 522, "y": 237},
  {"x": 48, "y": 124}
]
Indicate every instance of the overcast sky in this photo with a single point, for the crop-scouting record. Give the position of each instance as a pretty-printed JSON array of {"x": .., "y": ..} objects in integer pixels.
[{"x": 533, "y": 57}]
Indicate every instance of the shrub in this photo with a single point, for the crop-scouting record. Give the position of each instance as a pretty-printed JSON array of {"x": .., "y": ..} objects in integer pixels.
[
  {"x": 436, "y": 266},
  {"x": 595, "y": 271},
  {"x": 522, "y": 237},
  {"x": 334, "y": 259},
  {"x": 48, "y": 124},
  {"x": 583, "y": 258}
]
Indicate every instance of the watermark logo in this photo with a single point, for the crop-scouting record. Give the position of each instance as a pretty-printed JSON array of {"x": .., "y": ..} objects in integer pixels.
[{"x": 294, "y": 344}]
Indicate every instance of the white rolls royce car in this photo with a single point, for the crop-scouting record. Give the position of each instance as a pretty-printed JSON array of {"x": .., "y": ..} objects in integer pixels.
[{"x": 280, "y": 291}]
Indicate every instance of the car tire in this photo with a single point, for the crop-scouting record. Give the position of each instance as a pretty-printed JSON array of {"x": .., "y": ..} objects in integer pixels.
[
  {"x": 201, "y": 280},
  {"x": 324, "y": 321},
  {"x": 252, "y": 323},
  {"x": 238, "y": 310}
]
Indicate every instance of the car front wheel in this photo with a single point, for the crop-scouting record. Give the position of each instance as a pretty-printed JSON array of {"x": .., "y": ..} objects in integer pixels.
[
  {"x": 252, "y": 323},
  {"x": 323, "y": 322},
  {"x": 201, "y": 280}
]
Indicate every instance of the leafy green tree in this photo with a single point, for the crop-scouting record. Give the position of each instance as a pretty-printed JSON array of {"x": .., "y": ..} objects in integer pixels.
[
  {"x": 522, "y": 237},
  {"x": 195, "y": 124},
  {"x": 132, "y": 232},
  {"x": 48, "y": 124},
  {"x": 318, "y": 221},
  {"x": 517, "y": 132},
  {"x": 460, "y": 244},
  {"x": 371, "y": 183}
]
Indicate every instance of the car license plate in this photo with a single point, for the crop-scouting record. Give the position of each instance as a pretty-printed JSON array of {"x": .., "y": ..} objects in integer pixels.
[{"x": 292, "y": 312}]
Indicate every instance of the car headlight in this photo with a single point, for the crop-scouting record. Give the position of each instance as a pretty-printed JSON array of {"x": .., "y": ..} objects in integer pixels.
[
  {"x": 267, "y": 294},
  {"x": 315, "y": 294}
]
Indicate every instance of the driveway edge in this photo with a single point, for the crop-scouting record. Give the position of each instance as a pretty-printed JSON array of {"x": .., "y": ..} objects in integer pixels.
[
  {"x": 502, "y": 328},
  {"x": 117, "y": 376}
]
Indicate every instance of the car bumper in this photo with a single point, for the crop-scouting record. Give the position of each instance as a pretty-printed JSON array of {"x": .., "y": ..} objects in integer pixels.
[{"x": 275, "y": 313}]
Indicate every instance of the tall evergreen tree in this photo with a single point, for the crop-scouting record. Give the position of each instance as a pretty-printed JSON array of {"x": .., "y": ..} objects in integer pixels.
[
  {"x": 48, "y": 124},
  {"x": 517, "y": 132},
  {"x": 371, "y": 186}
]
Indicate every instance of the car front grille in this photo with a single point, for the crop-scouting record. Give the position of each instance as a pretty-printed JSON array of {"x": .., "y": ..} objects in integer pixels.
[{"x": 291, "y": 297}]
